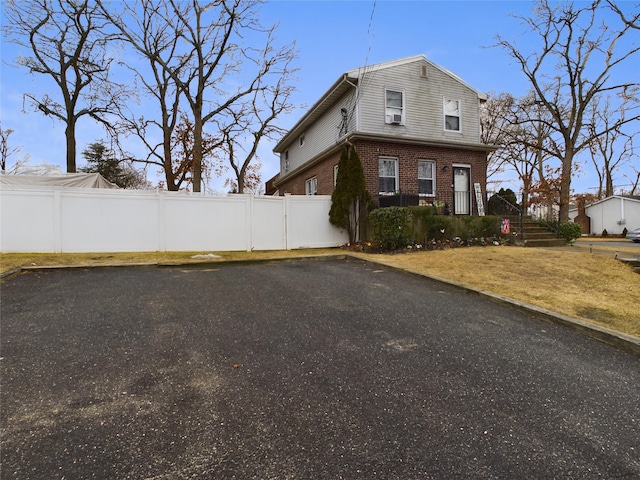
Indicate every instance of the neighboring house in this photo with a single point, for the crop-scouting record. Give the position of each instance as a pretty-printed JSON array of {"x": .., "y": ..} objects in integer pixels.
[
  {"x": 612, "y": 214},
  {"x": 415, "y": 126}
]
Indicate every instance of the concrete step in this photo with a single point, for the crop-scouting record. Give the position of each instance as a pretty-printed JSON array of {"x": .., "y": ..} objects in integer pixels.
[
  {"x": 544, "y": 242},
  {"x": 538, "y": 231}
]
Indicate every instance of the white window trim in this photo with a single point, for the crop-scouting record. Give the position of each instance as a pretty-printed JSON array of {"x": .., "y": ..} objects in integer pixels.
[
  {"x": 444, "y": 114},
  {"x": 387, "y": 118},
  {"x": 302, "y": 140},
  {"x": 335, "y": 175},
  {"x": 433, "y": 179},
  {"x": 311, "y": 186},
  {"x": 397, "y": 176}
]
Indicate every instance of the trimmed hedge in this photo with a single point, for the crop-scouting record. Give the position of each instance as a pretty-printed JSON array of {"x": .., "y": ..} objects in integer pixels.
[{"x": 392, "y": 228}]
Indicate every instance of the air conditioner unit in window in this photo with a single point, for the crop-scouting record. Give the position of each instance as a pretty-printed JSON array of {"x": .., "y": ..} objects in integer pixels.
[{"x": 396, "y": 119}]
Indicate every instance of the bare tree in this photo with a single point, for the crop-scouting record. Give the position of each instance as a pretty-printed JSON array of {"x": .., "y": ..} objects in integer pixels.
[
  {"x": 252, "y": 121},
  {"x": 515, "y": 126},
  {"x": 226, "y": 80},
  {"x": 226, "y": 71},
  {"x": 632, "y": 19},
  {"x": 7, "y": 152},
  {"x": 635, "y": 181},
  {"x": 576, "y": 55},
  {"x": 182, "y": 158},
  {"x": 67, "y": 39},
  {"x": 147, "y": 26},
  {"x": 610, "y": 150},
  {"x": 494, "y": 130}
]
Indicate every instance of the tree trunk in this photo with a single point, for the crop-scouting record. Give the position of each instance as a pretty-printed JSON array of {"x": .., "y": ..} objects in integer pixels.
[
  {"x": 197, "y": 150},
  {"x": 608, "y": 192},
  {"x": 565, "y": 186},
  {"x": 70, "y": 134}
]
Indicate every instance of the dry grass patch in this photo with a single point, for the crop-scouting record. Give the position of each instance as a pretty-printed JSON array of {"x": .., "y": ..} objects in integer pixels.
[
  {"x": 592, "y": 288},
  {"x": 10, "y": 261}
]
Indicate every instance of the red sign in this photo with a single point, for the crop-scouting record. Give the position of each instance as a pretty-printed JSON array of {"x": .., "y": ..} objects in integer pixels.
[{"x": 505, "y": 227}]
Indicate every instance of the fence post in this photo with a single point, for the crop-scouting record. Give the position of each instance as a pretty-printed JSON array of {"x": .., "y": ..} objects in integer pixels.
[
  {"x": 162, "y": 222},
  {"x": 287, "y": 217}
]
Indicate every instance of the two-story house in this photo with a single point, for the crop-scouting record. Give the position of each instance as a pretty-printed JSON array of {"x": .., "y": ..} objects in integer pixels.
[{"x": 415, "y": 126}]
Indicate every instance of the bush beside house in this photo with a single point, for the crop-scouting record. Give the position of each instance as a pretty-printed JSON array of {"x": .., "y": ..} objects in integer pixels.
[{"x": 394, "y": 228}]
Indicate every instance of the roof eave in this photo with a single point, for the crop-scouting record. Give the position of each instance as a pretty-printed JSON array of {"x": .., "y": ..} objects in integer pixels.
[{"x": 338, "y": 89}]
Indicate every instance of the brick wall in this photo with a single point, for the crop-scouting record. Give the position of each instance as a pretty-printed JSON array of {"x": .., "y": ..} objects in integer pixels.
[
  {"x": 408, "y": 156},
  {"x": 323, "y": 171}
]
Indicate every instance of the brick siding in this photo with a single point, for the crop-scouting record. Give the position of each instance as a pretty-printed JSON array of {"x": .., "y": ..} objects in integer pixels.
[{"x": 408, "y": 157}]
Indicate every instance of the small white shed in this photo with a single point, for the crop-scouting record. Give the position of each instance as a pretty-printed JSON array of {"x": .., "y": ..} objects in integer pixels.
[{"x": 613, "y": 214}]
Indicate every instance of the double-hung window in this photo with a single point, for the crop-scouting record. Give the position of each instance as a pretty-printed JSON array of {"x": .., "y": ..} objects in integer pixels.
[
  {"x": 311, "y": 186},
  {"x": 394, "y": 103},
  {"x": 426, "y": 177},
  {"x": 388, "y": 174},
  {"x": 451, "y": 115}
]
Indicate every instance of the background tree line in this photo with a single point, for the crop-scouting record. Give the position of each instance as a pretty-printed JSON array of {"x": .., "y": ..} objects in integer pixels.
[
  {"x": 214, "y": 78},
  {"x": 574, "y": 110}
]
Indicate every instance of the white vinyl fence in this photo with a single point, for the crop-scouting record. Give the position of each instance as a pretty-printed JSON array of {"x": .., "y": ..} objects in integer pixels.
[{"x": 63, "y": 220}]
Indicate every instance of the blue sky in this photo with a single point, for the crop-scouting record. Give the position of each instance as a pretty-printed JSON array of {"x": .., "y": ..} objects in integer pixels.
[{"x": 332, "y": 36}]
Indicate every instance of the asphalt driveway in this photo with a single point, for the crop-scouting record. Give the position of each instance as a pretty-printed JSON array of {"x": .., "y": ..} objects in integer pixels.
[{"x": 300, "y": 370}]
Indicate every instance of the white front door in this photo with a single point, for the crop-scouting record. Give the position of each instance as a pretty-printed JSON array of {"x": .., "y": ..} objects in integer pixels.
[{"x": 461, "y": 191}]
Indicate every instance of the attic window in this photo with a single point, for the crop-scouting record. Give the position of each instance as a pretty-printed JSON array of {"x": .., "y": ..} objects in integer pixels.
[
  {"x": 394, "y": 111},
  {"x": 302, "y": 139}
]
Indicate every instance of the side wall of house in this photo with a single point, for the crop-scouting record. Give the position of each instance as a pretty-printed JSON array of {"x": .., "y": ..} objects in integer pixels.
[
  {"x": 323, "y": 134},
  {"x": 423, "y": 99}
]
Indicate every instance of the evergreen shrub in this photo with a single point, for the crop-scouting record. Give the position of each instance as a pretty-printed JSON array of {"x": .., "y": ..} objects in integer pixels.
[
  {"x": 390, "y": 228},
  {"x": 570, "y": 231}
]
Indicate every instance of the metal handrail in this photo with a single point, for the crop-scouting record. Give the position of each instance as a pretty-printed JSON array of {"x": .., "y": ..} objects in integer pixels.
[{"x": 517, "y": 212}]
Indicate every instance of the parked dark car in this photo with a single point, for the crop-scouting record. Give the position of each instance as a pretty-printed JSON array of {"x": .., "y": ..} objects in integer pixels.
[{"x": 634, "y": 235}]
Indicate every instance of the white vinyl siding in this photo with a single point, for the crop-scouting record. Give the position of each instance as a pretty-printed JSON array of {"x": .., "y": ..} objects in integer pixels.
[
  {"x": 423, "y": 104},
  {"x": 320, "y": 135},
  {"x": 426, "y": 177},
  {"x": 388, "y": 175}
]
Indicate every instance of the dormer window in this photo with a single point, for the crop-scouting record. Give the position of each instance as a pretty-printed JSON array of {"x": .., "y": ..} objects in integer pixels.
[
  {"x": 451, "y": 115},
  {"x": 394, "y": 103}
]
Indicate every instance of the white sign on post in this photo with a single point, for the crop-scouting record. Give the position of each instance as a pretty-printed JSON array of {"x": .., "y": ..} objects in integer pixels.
[{"x": 479, "y": 201}]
